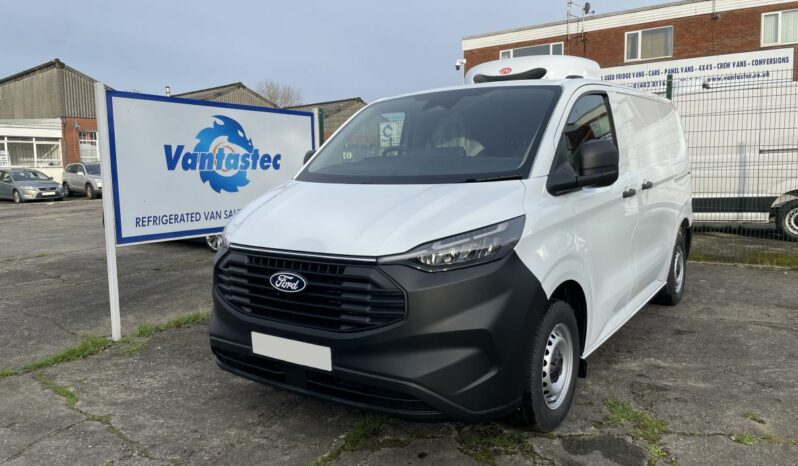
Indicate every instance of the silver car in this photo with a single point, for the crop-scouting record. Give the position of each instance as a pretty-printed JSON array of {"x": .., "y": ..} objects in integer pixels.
[
  {"x": 25, "y": 184},
  {"x": 83, "y": 178}
]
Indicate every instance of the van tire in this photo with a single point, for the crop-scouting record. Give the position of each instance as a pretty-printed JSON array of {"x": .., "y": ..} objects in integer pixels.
[
  {"x": 536, "y": 412},
  {"x": 672, "y": 292},
  {"x": 787, "y": 221}
]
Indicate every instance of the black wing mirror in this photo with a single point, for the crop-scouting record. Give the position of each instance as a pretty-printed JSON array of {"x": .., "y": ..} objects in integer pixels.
[
  {"x": 308, "y": 155},
  {"x": 598, "y": 162}
]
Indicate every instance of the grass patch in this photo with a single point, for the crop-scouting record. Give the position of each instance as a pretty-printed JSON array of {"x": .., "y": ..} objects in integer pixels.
[
  {"x": 772, "y": 439},
  {"x": 68, "y": 395},
  {"x": 770, "y": 259},
  {"x": 365, "y": 428},
  {"x": 751, "y": 416},
  {"x": 744, "y": 438},
  {"x": 484, "y": 442},
  {"x": 645, "y": 427},
  {"x": 90, "y": 345}
]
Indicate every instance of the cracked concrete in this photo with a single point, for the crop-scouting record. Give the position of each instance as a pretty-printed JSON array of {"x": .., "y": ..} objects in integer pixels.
[{"x": 722, "y": 362}]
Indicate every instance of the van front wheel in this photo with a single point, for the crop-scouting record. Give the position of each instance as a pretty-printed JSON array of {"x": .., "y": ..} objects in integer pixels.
[
  {"x": 671, "y": 294},
  {"x": 552, "y": 362}
]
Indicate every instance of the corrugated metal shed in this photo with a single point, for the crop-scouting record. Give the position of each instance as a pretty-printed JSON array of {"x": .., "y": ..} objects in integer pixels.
[
  {"x": 336, "y": 112},
  {"x": 235, "y": 93},
  {"x": 50, "y": 90}
]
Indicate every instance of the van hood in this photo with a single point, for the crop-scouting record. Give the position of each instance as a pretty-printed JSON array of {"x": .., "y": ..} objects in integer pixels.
[{"x": 371, "y": 219}]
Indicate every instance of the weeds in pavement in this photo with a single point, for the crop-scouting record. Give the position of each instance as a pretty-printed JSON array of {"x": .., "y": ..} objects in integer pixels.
[
  {"x": 645, "y": 427},
  {"x": 744, "y": 438},
  {"x": 751, "y": 416},
  {"x": 90, "y": 345},
  {"x": 68, "y": 395},
  {"x": 366, "y": 427},
  {"x": 484, "y": 442}
]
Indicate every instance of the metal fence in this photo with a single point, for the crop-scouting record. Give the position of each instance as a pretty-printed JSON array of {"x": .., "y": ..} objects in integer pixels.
[{"x": 742, "y": 136}]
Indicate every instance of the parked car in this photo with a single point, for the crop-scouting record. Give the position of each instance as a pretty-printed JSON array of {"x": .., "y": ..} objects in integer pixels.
[
  {"x": 84, "y": 178},
  {"x": 464, "y": 263},
  {"x": 25, "y": 184}
]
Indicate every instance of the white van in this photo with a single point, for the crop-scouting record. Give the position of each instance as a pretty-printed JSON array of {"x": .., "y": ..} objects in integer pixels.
[
  {"x": 459, "y": 252},
  {"x": 743, "y": 153}
]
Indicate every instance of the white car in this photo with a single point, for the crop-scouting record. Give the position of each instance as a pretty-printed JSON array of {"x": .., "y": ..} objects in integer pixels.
[{"x": 466, "y": 261}]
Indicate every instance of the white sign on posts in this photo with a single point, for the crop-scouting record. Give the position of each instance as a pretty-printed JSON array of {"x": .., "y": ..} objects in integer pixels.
[
  {"x": 179, "y": 168},
  {"x": 4, "y": 162}
]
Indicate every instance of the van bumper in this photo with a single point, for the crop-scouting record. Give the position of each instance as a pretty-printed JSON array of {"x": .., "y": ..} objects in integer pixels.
[{"x": 459, "y": 352}]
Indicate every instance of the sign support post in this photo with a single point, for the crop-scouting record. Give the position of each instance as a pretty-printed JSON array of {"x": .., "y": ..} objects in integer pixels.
[{"x": 101, "y": 112}]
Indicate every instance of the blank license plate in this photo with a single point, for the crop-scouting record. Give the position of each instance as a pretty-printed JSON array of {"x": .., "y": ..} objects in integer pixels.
[
  {"x": 295, "y": 352},
  {"x": 48, "y": 193}
]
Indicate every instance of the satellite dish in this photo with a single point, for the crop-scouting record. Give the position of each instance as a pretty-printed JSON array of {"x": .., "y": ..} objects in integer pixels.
[{"x": 586, "y": 8}]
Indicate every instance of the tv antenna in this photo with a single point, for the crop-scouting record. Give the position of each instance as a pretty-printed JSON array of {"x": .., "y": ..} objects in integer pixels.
[{"x": 575, "y": 13}]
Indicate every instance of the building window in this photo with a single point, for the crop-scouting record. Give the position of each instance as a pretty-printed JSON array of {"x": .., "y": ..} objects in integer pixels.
[
  {"x": 32, "y": 152},
  {"x": 647, "y": 44},
  {"x": 544, "y": 49},
  {"x": 780, "y": 27},
  {"x": 87, "y": 141}
]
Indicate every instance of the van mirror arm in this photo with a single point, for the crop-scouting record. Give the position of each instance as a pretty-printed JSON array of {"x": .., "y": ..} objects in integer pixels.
[{"x": 308, "y": 155}]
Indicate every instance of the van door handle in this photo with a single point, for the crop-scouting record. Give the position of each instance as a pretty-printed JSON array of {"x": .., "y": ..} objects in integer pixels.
[
  {"x": 648, "y": 185},
  {"x": 629, "y": 193}
]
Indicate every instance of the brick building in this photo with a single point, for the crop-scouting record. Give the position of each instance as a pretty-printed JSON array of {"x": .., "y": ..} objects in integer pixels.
[{"x": 639, "y": 46}]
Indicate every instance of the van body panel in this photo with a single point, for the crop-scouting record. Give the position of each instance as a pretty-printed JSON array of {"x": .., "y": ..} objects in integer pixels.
[{"x": 373, "y": 220}]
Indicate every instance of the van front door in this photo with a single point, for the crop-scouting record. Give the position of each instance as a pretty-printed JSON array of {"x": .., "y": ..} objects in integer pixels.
[{"x": 603, "y": 219}]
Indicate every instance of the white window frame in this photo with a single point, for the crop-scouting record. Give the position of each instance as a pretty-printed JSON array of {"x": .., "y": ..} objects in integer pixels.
[
  {"x": 778, "y": 29},
  {"x": 550, "y": 44},
  {"x": 4, "y": 140},
  {"x": 639, "y": 33}
]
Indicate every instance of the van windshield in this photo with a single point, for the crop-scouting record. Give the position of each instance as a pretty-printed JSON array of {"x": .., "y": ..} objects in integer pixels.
[{"x": 456, "y": 136}]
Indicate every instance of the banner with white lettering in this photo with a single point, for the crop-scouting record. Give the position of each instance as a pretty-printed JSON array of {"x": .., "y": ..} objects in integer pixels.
[{"x": 181, "y": 168}]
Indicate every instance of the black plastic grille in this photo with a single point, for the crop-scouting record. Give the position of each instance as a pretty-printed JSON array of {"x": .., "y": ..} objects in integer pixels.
[{"x": 340, "y": 296}]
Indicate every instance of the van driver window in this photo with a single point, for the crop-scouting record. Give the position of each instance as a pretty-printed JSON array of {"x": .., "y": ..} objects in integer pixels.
[{"x": 589, "y": 120}]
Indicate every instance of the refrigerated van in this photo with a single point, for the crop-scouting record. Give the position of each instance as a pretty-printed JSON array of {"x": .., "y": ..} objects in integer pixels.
[
  {"x": 459, "y": 253},
  {"x": 742, "y": 145}
]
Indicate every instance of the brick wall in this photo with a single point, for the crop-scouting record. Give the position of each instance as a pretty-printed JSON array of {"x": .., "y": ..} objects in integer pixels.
[
  {"x": 70, "y": 146},
  {"x": 694, "y": 36}
]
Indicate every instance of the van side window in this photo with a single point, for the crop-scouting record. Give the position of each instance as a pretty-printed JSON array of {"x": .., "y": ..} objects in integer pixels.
[{"x": 589, "y": 120}]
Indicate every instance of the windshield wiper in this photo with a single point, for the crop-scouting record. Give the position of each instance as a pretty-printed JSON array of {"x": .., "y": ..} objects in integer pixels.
[{"x": 494, "y": 178}]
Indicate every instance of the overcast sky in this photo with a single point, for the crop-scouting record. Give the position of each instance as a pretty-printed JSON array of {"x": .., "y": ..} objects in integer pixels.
[{"x": 329, "y": 49}]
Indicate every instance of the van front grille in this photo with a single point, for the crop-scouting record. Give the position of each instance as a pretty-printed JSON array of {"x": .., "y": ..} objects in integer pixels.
[{"x": 340, "y": 295}]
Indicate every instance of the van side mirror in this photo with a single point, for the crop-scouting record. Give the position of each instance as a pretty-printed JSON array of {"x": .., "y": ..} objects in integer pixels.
[
  {"x": 598, "y": 161},
  {"x": 308, "y": 155}
]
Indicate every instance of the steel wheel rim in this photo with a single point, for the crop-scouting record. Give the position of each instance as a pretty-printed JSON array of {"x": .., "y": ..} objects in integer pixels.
[
  {"x": 678, "y": 269},
  {"x": 791, "y": 221},
  {"x": 558, "y": 363}
]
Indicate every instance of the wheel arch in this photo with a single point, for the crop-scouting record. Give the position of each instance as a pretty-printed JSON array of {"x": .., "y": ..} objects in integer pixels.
[{"x": 572, "y": 293}]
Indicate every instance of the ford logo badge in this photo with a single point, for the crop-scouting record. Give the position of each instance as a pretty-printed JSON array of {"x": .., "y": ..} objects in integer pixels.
[{"x": 288, "y": 282}]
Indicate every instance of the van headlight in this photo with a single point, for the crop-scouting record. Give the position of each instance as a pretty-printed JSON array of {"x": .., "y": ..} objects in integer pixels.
[{"x": 471, "y": 248}]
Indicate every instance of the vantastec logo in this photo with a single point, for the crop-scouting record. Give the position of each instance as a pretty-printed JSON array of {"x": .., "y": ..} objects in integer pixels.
[{"x": 222, "y": 156}]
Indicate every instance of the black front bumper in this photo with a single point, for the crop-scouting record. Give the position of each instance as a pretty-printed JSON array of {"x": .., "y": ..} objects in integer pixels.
[{"x": 457, "y": 353}]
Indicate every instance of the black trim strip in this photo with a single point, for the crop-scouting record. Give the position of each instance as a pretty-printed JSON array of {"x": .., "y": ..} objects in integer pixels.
[{"x": 750, "y": 204}]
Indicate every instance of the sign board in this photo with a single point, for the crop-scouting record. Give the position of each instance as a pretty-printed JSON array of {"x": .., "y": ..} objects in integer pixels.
[
  {"x": 181, "y": 168},
  {"x": 390, "y": 133},
  {"x": 4, "y": 162},
  {"x": 716, "y": 70}
]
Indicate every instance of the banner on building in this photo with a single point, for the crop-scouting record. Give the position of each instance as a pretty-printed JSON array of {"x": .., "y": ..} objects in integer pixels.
[{"x": 716, "y": 71}]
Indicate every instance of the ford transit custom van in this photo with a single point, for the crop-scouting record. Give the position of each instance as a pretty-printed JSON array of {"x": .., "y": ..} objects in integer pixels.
[{"x": 459, "y": 253}]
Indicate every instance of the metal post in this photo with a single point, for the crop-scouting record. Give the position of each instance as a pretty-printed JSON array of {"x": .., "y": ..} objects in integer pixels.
[
  {"x": 669, "y": 87},
  {"x": 321, "y": 126},
  {"x": 101, "y": 111}
]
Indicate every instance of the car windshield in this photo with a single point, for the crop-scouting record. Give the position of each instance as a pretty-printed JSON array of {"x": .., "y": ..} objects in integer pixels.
[
  {"x": 455, "y": 136},
  {"x": 93, "y": 169},
  {"x": 29, "y": 175}
]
